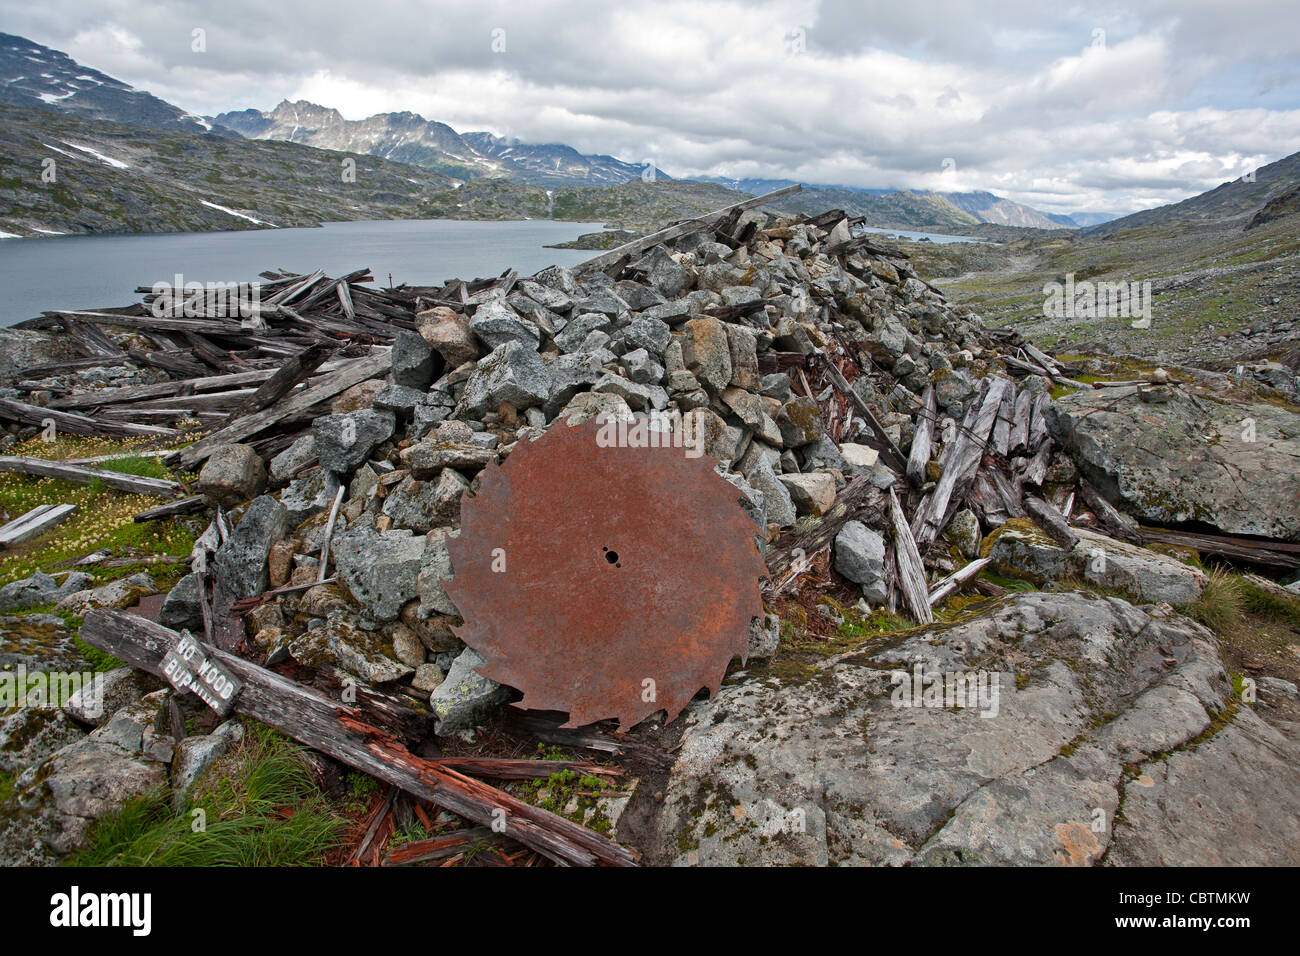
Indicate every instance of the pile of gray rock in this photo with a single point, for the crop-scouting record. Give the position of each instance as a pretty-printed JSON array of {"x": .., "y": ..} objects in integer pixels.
[{"x": 693, "y": 333}]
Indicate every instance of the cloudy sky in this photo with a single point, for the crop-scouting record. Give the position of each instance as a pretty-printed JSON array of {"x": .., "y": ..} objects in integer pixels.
[{"x": 1067, "y": 107}]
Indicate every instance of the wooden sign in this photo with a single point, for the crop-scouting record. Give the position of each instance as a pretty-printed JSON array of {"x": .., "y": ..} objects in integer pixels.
[{"x": 186, "y": 667}]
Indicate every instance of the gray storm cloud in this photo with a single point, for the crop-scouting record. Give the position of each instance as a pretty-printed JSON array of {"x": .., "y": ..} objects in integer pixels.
[{"x": 1092, "y": 107}]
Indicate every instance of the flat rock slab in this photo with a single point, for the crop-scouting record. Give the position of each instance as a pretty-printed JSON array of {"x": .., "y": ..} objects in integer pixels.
[
  {"x": 1233, "y": 466},
  {"x": 837, "y": 768}
]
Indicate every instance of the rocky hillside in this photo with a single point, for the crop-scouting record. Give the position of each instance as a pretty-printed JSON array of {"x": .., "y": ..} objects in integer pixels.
[
  {"x": 113, "y": 178},
  {"x": 917, "y": 210},
  {"x": 1223, "y": 269},
  {"x": 995, "y": 627},
  {"x": 636, "y": 205},
  {"x": 36, "y": 77},
  {"x": 1232, "y": 203}
]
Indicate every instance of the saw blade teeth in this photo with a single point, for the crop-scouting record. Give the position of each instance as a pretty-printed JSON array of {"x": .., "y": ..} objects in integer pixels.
[{"x": 592, "y": 576}]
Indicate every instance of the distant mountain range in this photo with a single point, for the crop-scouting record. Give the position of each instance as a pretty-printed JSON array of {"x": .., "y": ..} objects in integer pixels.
[{"x": 410, "y": 138}]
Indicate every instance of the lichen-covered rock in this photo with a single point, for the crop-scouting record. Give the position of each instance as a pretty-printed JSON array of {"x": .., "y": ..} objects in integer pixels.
[
  {"x": 435, "y": 570},
  {"x": 1235, "y": 467},
  {"x": 341, "y": 643},
  {"x": 465, "y": 698},
  {"x": 379, "y": 568},
  {"x": 110, "y": 691},
  {"x": 1020, "y": 549},
  {"x": 707, "y": 353},
  {"x": 182, "y": 608},
  {"x": 232, "y": 475},
  {"x": 850, "y": 766},
  {"x": 344, "y": 441},
  {"x": 30, "y": 734},
  {"x": 813, "y": 493},
  {"x": 414, "y": 361},
  {"x": 514, "y": 373},
  {"x": 964, "y": 532},
  {"x": 116, "y": 594},
  {"x": 495, "y": 323},
  {"x": 448, "y": 333},
  {"x": 55, "y": 801},
  {"x": 860, "y": 557},
  {"x": 241, "y": 561},
  {"x": 800, "y": 422},
  {"x": 41, "y": 588},
  {"x": 297, "y": 456},
  {"x": 194, "y": 756}
]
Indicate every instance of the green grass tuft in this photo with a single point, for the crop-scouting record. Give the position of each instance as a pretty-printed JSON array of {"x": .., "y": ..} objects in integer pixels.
[
  {"x": 261, "y": 808},
  {"x": 1220, "y": 605}
]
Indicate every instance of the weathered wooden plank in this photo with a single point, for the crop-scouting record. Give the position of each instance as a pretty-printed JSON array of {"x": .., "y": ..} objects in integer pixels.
[
  {"x": 963, "y": 459},
  {"x": 596, "y": 263},
  {"x": 80, "y": 473},
  {"x": 34, "y": 523},
  {"x": 249, "y": 425},
  {"x": 955, "y": 580},
  {"x": 340, "y": 731},
  {"x": 1019, "y": 435},
  {"x": 172, "y": 508},
  {"x": 911, "y": 572},
  {"x": 1035, "y": 469},
  {"x": 1278, "y": 554},
  {"x": 1051, "y": 521},
  {"x": 296, "y": 370},
  {"x": 1117, "y": 525},
  {"x": 922, "y": 439},
  {"x": 78, "y": 424},
  {"x": 1009, "y": 494},
  {"x": 1038, "y": 422},
  {"x": 1002, "y": 425},
  {"x": 880, "y": 440}
]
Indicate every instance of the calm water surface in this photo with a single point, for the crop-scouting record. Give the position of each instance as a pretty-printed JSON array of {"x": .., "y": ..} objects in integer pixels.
[{"x": 87, "y": 272}]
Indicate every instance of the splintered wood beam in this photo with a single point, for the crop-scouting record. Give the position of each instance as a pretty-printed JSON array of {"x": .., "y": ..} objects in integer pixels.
[
  {"x": 1278, "y": 554},
  {"x": 961, "y": 462},
  {"x": 794, "y": 550},
  {"x": 343, "y": 379},
  {"x": 294, "y": 371},
  {"x": 911, "y": 572},
  {"x": 1051, "y": 521},
  {"x": 1117, "y": 525},
  {"x": 83, "y": 475},
  {"x": 602, "y": 261},
  {"x": 341, "y": 731},
  {"x": 922, "y": 440},
  {"x": 79, "y": 424},
  {"x": 172, "y": 508},
  {"x": 955, "y": 580},
  {"x": 880, "y": 440}
]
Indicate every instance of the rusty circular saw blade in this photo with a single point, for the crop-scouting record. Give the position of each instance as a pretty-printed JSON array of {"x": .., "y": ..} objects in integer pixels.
[{"x": 605, "y": 582}]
